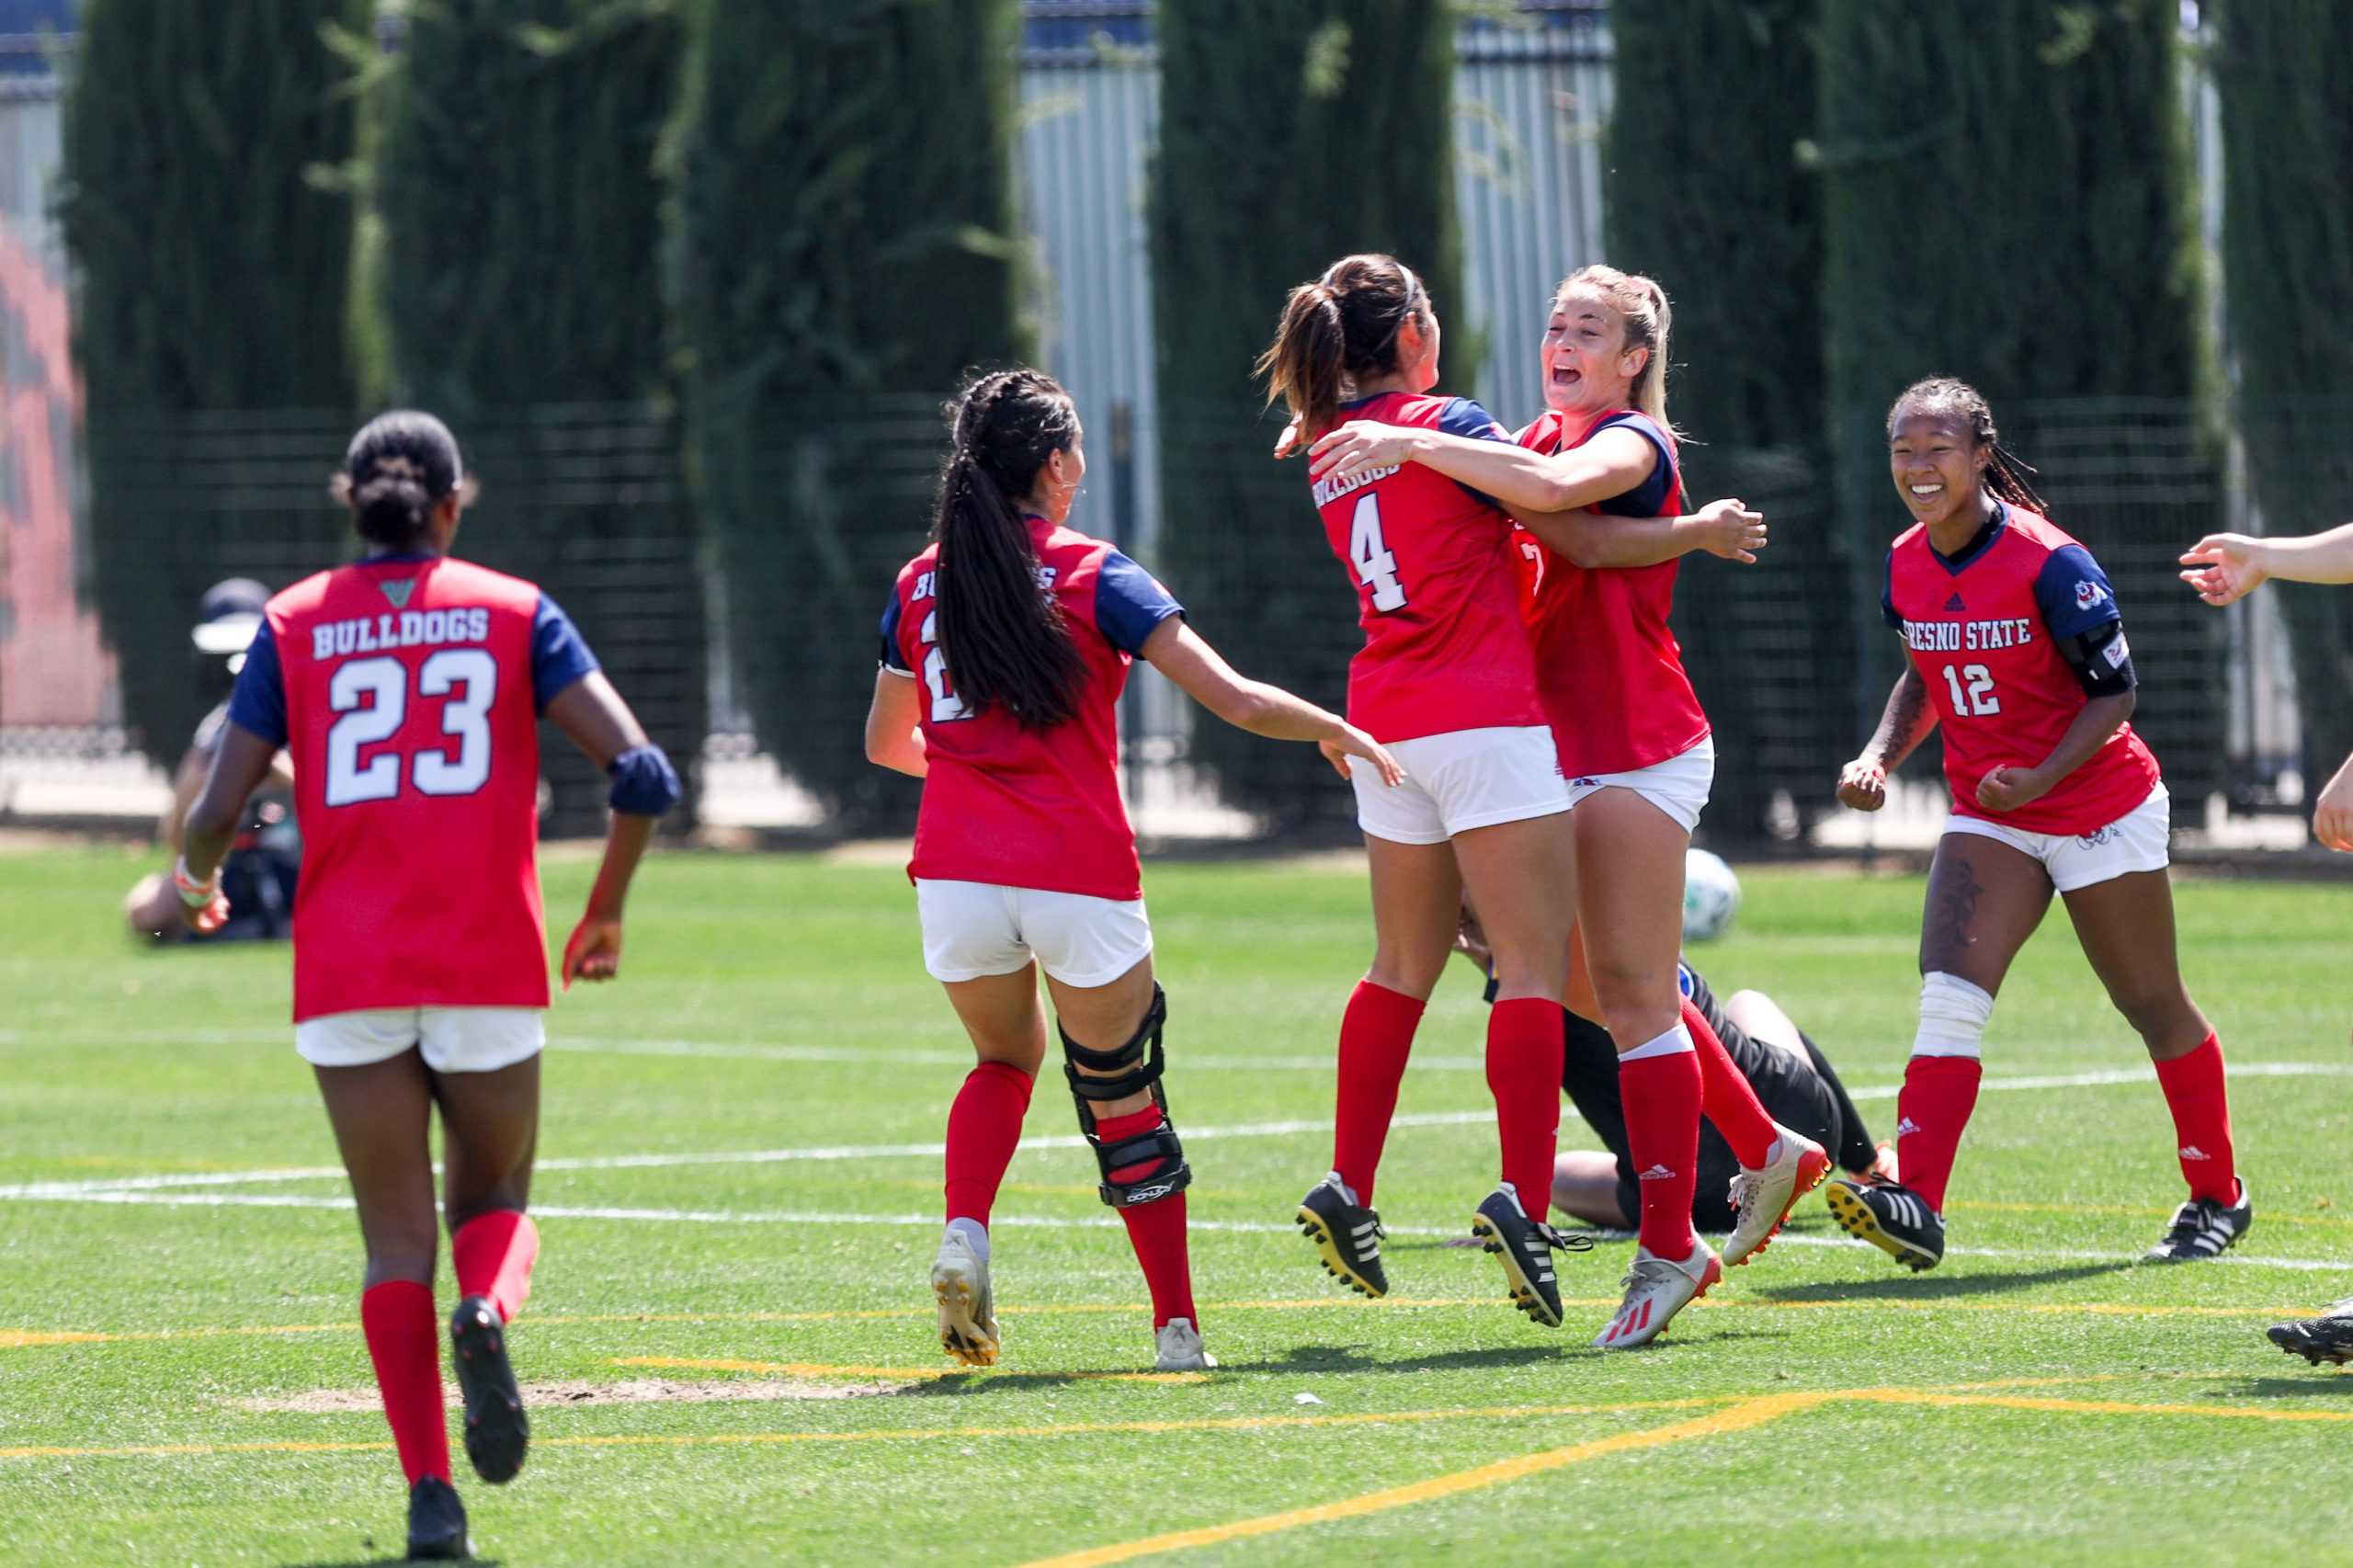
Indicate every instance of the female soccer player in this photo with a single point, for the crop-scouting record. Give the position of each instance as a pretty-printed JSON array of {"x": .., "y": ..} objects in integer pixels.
[
  {"x": 1633, "y": 740},
  {"x": 1445, "y": 677},
  {"x": 407, "y": 687},
  {"x": 1006, "y": 645},
  {"x": 2017, "y": 647}
]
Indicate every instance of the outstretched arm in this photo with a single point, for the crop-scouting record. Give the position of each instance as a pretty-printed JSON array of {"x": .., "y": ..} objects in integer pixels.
[
  {"x": 1178, "y": 652},
  {"x": 1904, "y": 723},
  {"x": 2230, "y": 566},
  {"x": 1726, "y": 528},
  {"x": 1610, "y": 465}
]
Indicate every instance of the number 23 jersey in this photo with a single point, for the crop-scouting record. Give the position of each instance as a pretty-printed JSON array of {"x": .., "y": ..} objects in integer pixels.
[
  {"x": 407, "y": 691},
  {"x": 1983, "y": 629}
]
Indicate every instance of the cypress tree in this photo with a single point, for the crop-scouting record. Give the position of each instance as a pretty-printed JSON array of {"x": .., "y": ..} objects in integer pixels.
[
  {"x": 2007, "y": 198},
  {"x": 213, "y": 252},
  {"x": 2288, "y": 259},
  {"x": 844, "y": 208},
  {"x": 522, "y": 207},
  {"x": 1718, "y": 206},
  {"x": 1289, "y": 135}
]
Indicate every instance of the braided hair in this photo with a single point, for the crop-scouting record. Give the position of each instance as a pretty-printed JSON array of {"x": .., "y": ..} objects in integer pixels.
[
  {"x": 400, "y": 467},
  {"x": 1005, "y": 640},
  {"x": 1340, "y": 332},
  {"x": 2009, "y": 477}
]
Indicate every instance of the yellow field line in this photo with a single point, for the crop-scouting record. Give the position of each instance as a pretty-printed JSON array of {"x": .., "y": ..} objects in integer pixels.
[
  {"x": 1737, "y": 1418},
  {"x": 2091, "y": 1406},
  {"x": 810, "y": 1369}
]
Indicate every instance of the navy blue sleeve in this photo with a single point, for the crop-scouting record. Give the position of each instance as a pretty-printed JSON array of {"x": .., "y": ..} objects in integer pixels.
[
  {"x": 1887, "y": 593},
  {"x": 1129, "y": 602},
  {"x": 1461, "y": 417},
  {"x": 2074, "y": 594},
  {"x": 258, "y": 704},
  {"x": 891, "y": 660},
  {"x": 559, "y": 657},
  {"x": 1646, "y": 498}
]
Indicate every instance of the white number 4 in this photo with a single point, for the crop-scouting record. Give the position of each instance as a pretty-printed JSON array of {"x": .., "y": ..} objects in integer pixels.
[
  {"x": 1978, "y": 699},
  {"x": 1375, "y": 562}
]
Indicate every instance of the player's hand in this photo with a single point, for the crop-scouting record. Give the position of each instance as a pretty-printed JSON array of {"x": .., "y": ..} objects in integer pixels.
[
  {"x": 2224, "y": 567},
  {"x": 1286, "y": 445},
  {"x": 1360, "y": 446},
  {"x": 594, "y": 951},
  {"x": 2006, "y": 788},
  {"x": 2332, "y": 815},
  {"x": 1730, "y": 530},
  {"x": 1470, "y": 939},
  {"x": 1862, "y": 785},
  {"x": 1354, "y": 741},
  {"x": 205, "y": 918}
]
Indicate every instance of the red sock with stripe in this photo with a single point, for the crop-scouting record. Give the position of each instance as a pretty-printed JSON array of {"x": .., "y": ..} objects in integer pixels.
[
  {"x": 492, "y": 1255},
  {"x": 1157, "y": 1230},
  {"x": 1524, "y": 1047},
  {"x": 2201, "y": 1116},
  {"x": 1376, "y": 1037},
  {"x": 1727, "y": 1099},
  {"x": 984, "y": 1129},
  {"x": 1659, "y": 1083},
  {"x": 404, "y": 1344},
  {"x": 1931, "y": 1112}
]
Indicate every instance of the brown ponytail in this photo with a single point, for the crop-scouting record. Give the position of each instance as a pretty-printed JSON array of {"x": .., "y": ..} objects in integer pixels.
[{"x": 1338, "y": 332}]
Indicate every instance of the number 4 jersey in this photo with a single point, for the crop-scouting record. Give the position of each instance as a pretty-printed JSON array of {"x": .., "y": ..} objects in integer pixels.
[
  {"x": 407, "y": 691},
  {"x": 1987, "y": 630}
]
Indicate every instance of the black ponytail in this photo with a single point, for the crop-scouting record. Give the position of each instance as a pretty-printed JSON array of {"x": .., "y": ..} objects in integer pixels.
[
  {"x": 2009, "y": 477},
  {"x": 1001, "y": 633},
  {"x": 398, "y": 468}
]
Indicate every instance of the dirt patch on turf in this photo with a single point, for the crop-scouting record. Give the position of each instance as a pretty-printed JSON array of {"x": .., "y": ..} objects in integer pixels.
[{"x": 544, "y": 1396}]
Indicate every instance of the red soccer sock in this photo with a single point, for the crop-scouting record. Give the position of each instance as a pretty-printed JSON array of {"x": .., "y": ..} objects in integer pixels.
[
  {"x": 1727, "y": 1099},
  {"x": 1930, "y": 1113},
  {"x": 492, "y": 1255},
  {"x": 984, "y": 1129},
  {"x": 1523, "y": 1048},
  {"x": 1376, "y": 1037},
  {"x": 1157, "y": 1230},
  {"x": 404, "y": 1342},
  {"x": 2201, "y": 1115},
  {"x": 1662, "y": 1100}
]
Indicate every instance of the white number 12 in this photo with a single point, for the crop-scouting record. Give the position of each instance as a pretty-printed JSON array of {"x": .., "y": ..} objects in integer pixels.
[
  {"x": 1978, "y": 699},
  {"x": 1375, "y": 562}
]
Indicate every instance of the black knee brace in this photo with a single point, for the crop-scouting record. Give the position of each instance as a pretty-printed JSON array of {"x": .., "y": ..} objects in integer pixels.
[{"x": 1137, "y": 1065}]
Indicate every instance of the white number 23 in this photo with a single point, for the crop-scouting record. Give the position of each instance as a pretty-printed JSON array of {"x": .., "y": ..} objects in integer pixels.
[{"x": 372, "y": 696}]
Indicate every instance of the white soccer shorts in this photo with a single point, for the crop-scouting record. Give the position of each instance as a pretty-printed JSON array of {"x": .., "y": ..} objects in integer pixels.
[
  {"x": 1459, "y": 780},
  {"x": 1679, "y": 786},
  {"x": 975, "y": 929},
  {"x": 452, "y": 1040},
  {"x": 2133, "y": 842}
]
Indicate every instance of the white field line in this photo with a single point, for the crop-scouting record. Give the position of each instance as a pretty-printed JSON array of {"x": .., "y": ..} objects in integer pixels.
[{"x": 1051, "y": 1222}]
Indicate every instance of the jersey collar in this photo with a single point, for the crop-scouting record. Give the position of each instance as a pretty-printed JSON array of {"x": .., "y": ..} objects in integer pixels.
[{"x": 1979, "y": 542}]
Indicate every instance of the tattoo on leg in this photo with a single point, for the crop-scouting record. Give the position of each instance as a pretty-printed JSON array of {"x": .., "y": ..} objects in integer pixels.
[{"x": 1952, "y": 911}]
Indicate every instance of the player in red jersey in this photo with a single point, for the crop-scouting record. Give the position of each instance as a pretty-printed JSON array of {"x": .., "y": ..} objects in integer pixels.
[
  {"x": 1006, "y": 645},
  {"x": 407, "y": 687},
  {"x": 1447, "y": 679},
  {"x": 1594, "y": 483},
  {"x": 2017, "y": 647}
]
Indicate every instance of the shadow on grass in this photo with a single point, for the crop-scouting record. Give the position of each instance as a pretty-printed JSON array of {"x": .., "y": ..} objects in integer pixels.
[
  {"x": 1934, "y": 1286},
  {"x": 2319, "y": 1383},
  {"x": 381, "y": 1561}
]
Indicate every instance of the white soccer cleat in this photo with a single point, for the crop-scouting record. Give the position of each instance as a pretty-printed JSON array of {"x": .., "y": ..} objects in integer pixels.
[
  {"x": 1178, "y": 1345},
  {"x": 1656, "y": 1288},
  {"x": 960, "y": 1278},
  {"x": 1765, "y": 1198}
]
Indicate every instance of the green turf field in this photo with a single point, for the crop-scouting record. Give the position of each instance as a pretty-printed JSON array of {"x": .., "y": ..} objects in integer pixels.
[{"x": 738, "y": 1196}]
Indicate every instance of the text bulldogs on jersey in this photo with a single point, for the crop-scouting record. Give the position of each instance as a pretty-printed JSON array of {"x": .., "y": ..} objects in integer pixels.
[
  {"x": 1967, "y": 636},
  {"x": 408, "y": 629}
]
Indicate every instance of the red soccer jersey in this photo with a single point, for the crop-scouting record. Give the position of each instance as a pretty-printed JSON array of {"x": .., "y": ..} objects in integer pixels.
[
  {"x": 1982, "y": 630},
  {"x": 1025, "y": 808},
  {"x": 404, "y": 688},
  {"x": 1607, "y": 668},
  {"x": 1444, "y": 648}
]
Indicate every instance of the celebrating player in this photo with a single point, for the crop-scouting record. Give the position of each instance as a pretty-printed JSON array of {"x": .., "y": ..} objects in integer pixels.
[
  {"x": 1445, "y": 677},
  {"x": 1006, "y": 645},
  {"x": 2017, "y": 647},
  {"x": 407, "y": 687},
  {"x": 1596, "y": 483}
]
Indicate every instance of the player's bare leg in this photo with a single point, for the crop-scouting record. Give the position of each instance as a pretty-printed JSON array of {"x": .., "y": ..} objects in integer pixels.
[
  {"x": 490, "y": 1126},
  {"x": 1984, "y": 900},
  {"x": 380, "y": 1114},
  {"x": 1522, "y": 878},
  {"x": 1006, "y": 1023},
  {"x": 1584, "y": 1186},
  {"x": 2126, "y": 927}
]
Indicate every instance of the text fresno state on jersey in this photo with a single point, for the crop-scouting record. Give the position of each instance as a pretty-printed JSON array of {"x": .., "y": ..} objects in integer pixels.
[
  {"x": 407, "y": 691},
  {"x": 1444, "y": 648},
  {"x": 1030, "y": 808},
  {"x": 1985, "y": 629},
  {"x": 1607, "y": 668}
]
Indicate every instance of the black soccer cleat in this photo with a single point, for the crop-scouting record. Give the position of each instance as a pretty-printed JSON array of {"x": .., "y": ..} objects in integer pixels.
[
  {"x": 2328, "y": 1337},
  {"x": 1347, "y": 1236},
  {"x": 2202, "y": 1228},
  {"x": 1890, "y": 1216},
  {"x": 497, "y": 1430},
  {"x": 1524, "y": 1248},
  {"x": 436, "y": 1523}
]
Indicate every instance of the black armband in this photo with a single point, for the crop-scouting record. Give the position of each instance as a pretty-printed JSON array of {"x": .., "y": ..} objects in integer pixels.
[{"x": 2102, "y": 659}]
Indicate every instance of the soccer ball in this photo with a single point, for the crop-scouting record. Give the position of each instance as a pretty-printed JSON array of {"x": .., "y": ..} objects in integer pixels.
[{"x": 1711, "y": 896}]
